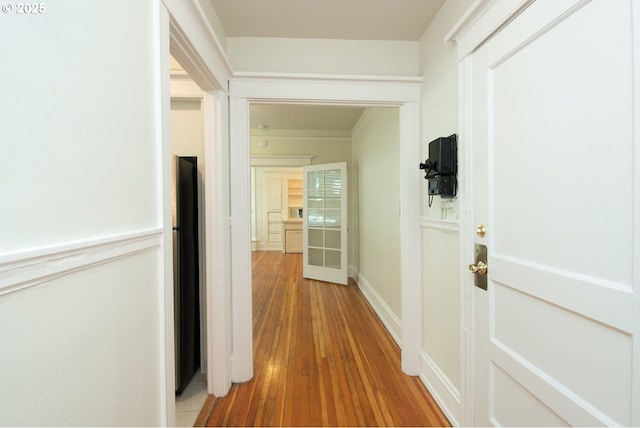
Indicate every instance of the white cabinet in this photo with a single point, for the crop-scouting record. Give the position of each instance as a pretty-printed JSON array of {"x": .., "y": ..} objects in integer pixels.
[
  {"x": 273, "y": 193},
  {"x": 278, "y": 197},
  {"x": 273, "y": 205},
  {"x": 274, "y": 227},
  {"x": 292, "y": 236}
]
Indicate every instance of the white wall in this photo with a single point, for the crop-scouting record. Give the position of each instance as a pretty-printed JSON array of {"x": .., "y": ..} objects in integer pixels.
[
  {"x": 375, "y": 184},
  {"x": 76, "y": 113},
  {"x": 324, "y": 146},
  {"x": 439, "y": 68},
  {"x": 187, "y": 128},
  {"x": 81, "y": 294},
  {"x": 441, "y": 366},
  {"x": 83, "y": 349},
  {"x": 187, "y": 139},
  {"x": 315, "y": 56}
]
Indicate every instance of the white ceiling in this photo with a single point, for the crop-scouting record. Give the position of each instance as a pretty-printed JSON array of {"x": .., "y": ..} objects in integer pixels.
[
  {"x": 304, "y": 117},
  {"x": 327, "y": 19},
  {"x": 322, "y": 19}
]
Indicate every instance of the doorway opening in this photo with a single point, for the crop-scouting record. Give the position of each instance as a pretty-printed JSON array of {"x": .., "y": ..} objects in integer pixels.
[
  {"x": 188, "y": 220},
  {"x": 402, "y": 93},
  {"x": 367, "y": 138},
  {"x": 182, "y": 26}
]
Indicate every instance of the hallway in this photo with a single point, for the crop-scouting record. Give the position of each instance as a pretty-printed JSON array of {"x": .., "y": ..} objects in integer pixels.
[{"x": 322, "y": 358}]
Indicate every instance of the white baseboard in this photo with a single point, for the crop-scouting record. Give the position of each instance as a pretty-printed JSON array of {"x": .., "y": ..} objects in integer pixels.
[
  {"x": 264, "y": 246},
  {"x": 440, "y": 387},
  {"x": 384, "y": 312}
]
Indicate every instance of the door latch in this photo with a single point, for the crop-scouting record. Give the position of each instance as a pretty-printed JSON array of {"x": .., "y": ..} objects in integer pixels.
[{"x": 479, "y": 268}]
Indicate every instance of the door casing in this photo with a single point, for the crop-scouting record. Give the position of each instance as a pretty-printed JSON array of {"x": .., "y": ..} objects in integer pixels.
[{"x": 403, "y": 93}]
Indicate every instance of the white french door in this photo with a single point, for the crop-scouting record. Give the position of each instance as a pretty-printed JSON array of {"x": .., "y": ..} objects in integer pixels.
[
  {"x": 324, "y": 232},
  {"x": 553, "y": 152}
]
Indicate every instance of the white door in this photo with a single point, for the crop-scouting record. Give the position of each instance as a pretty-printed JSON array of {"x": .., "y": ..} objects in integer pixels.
[
  {"x": 324, "y": 231},
  {"x": 554, "y": 159}
]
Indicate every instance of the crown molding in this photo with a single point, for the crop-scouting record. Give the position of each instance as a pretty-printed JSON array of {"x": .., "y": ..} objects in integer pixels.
[{"x": 482, "y": 20}]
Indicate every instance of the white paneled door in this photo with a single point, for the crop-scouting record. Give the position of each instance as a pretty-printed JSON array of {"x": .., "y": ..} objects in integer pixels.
[
  {"x": 325, "y": 222},
  {"x": 554, "y": 163}
]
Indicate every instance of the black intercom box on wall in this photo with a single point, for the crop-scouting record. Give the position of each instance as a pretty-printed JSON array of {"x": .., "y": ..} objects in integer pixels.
[{"x": 442, "y": 166}]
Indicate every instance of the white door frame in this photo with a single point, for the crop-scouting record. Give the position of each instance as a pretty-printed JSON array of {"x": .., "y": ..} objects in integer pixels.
[
  {"x": 185, "y": 31},
  {"x": 400, "y": 92},
  {"x": 484, "y": 25}
]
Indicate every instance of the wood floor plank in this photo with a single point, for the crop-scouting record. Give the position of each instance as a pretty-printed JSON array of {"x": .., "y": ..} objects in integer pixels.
[{"x": 321, "y": 358}]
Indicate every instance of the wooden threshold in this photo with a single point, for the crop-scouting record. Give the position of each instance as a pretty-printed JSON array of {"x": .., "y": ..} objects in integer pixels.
[{"x": 322, "y": 357}]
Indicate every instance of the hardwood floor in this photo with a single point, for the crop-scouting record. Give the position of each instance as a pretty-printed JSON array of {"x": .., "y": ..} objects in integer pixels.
[{"x": 321, "y": 357}]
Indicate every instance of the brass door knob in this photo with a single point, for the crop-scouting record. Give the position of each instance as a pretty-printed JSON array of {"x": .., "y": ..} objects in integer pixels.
[{"x": 480, "y": 268}]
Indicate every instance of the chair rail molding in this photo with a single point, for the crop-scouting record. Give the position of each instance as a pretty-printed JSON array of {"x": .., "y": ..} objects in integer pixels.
[
  {"x": 442, "y": 224},
  {"x": 33, "y": 267}
]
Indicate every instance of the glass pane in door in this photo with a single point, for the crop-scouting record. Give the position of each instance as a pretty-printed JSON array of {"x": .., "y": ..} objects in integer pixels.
[{"x": 323, "y": 202}]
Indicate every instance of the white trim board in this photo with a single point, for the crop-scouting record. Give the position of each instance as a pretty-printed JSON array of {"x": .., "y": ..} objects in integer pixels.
[
  {"x": 344, "y": 77},
  {"x": 326, "y": 90},
  {"x": 432, "y": 223},
  {"x": 30, "y": 268},
  {"x": 217, "y": 242},
  {"x": 380, "y": 307},
  {"x": 440, "y": 387}
]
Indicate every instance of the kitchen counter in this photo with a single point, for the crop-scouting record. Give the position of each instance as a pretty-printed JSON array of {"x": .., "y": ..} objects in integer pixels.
[{"x": 293, "y": 221}]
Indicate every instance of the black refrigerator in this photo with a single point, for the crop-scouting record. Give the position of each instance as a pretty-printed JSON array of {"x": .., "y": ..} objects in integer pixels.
[{"x": 186, "y": 272}]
